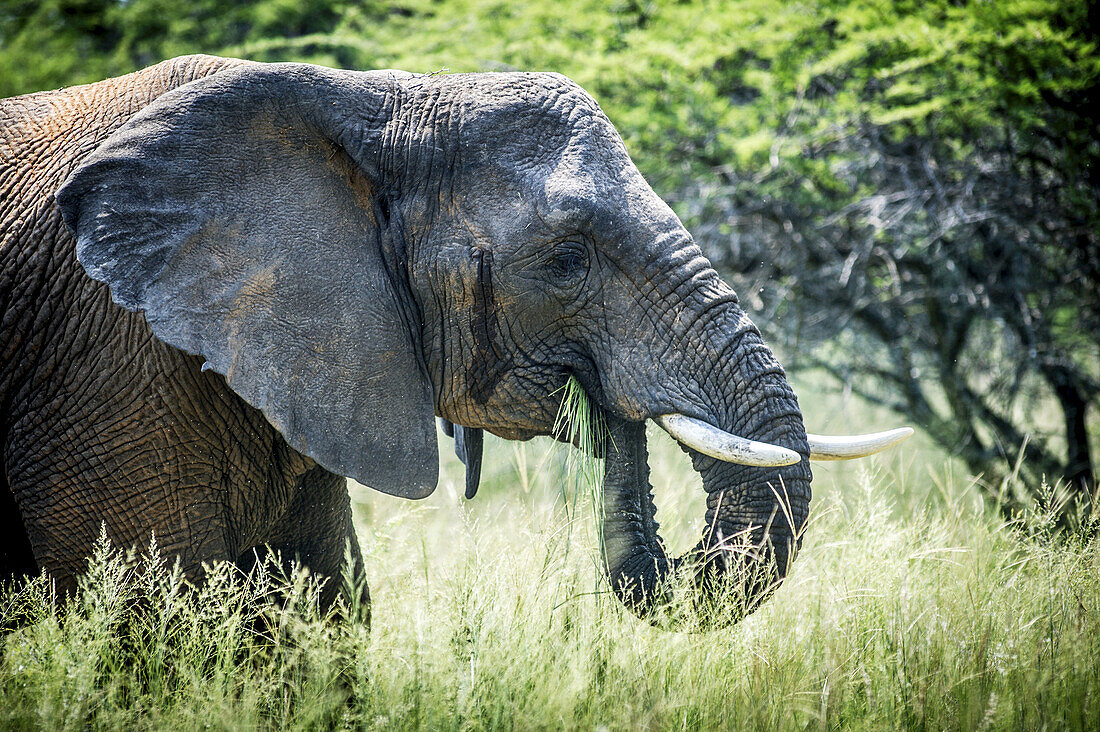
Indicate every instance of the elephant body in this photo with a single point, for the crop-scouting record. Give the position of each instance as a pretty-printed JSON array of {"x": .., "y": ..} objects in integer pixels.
[
  {"x": 226, "y": 285},
  {"x": 98, "y": 413}
]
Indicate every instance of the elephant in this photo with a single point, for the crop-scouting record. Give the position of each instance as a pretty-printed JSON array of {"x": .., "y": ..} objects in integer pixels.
[{"x": 226, "y": 286}]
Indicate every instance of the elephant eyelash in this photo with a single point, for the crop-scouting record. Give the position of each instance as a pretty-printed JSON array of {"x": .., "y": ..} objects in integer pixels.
[{"x": 568, "y": 260}]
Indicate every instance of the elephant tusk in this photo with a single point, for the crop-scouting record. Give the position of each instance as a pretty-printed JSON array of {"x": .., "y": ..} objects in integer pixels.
[
  {"x": 709, "y": 440},
  {"x": 849, "y": 447}
]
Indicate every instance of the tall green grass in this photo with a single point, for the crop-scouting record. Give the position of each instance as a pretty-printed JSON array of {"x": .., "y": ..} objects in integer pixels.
[{"x": 489, "y": 614}]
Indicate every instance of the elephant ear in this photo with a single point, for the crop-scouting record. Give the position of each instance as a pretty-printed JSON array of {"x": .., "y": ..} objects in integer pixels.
[{"x": 244, "y": 213}]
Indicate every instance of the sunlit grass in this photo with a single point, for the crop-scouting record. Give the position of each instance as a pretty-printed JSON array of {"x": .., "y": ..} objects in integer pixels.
[{"x": 490, "y": 614}]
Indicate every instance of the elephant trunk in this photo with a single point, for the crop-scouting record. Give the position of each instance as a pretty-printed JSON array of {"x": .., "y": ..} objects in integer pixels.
[
  {"x": 633, "y": 552},
  {"x": 754, "y": 515}
]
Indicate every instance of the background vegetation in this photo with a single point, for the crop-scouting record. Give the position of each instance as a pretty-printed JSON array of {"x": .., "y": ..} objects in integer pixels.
[
  {"x": 905, "y": 192},
  {"x": 905, "y": 195}
]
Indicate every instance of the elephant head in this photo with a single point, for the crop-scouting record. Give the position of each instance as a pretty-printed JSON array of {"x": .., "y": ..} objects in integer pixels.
[{"x": 359, "y": 251}]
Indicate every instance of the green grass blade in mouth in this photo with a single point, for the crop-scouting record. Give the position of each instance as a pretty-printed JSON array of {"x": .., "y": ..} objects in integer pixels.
[{"x": 580, "y": 423}]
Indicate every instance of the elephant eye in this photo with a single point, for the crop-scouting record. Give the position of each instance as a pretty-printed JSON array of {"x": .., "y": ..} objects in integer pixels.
[{"x": 569, "y": 260}]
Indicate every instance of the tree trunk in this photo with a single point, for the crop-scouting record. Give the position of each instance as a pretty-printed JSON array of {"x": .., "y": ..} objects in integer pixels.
[{"x": 1079, "y": 472}]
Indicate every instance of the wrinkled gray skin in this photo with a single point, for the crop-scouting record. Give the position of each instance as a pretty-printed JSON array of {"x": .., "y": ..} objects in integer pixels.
[{"x": 225, "y": 285}]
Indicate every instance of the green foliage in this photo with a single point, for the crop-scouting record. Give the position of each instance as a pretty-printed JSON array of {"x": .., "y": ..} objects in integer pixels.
[
  {"x": 138, "y": 646},
  {"x": 692, "y": 86}
]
